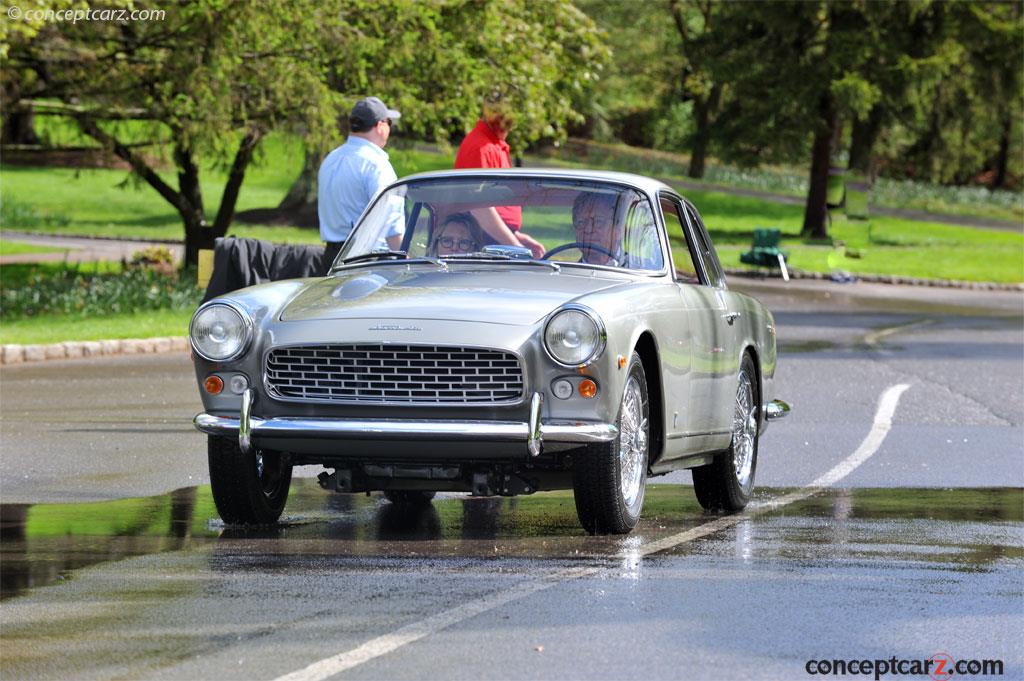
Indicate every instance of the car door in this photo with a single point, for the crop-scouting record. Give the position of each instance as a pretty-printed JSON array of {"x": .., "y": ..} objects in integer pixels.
[
  {"x": 699, "y": 405},
  {"x": 728, "y": 319}
]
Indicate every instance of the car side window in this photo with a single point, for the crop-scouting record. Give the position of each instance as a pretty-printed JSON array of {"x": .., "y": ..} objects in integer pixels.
[
  {"x": 707, "y": 252},
  {"x": 641, "y": 244},
  {"x": 685, "y": 266},
  {"x": 418, "y": 235}
]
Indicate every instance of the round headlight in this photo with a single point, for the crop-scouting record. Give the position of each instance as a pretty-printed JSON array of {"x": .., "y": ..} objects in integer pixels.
[
  {"x": 574, "y": 336},
  {"x": 219, "y": 332}
]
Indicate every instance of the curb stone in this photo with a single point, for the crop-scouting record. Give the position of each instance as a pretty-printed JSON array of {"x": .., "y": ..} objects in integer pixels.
[
  {"x": 18, "y": 354},
  {"x": 14, "y": 234},
  {"x": 898, "y": 280}
]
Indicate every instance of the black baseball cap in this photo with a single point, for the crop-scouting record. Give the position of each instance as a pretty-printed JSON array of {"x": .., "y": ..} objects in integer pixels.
[{"x": 368, "y": 111}]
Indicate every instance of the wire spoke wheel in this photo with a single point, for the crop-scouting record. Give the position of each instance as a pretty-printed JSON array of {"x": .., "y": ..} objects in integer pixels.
[
  {"x": 610, "y": 479},
  {"x": 727, "y": 482},
  {"x": 744, "y": 430},
  {"x": 632, "y": 443}
]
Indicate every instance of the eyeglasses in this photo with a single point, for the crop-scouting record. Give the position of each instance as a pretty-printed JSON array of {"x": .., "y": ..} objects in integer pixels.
[
  {"x": 386, "y": 120},
  {"x": 451, "y": 242}
]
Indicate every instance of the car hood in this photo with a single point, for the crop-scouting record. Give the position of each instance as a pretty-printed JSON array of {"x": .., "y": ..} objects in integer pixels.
[{"x": 514, "y": 294}]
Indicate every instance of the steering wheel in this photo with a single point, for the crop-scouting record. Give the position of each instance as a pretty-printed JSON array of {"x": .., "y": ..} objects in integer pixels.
[{"x": 580, "y": 246}]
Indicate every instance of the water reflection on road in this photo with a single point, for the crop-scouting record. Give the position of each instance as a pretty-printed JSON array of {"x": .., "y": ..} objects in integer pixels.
[{"x": 47, "y": 544}]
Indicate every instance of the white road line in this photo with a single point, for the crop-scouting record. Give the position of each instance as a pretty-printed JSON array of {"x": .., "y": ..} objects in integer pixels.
[
  {"x": 382, "y": 645},
  {"x": 875, "y": 337}
]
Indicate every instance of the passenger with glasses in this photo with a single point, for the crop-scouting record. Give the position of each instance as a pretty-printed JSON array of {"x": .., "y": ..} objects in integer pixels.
[{"x": 459, "y": 234}]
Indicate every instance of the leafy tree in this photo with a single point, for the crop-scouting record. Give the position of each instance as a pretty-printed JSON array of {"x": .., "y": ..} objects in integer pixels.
[
  {"x": 694, "y": 21},
  {"x": 209, "y": 81},
  {"x": 641, "y": 83},
  {"x": 435, "y": 61},
  {"x": 800, "y": 67},
  {"x": 215, "y": 76},
  {"x": 963, "y": 122}
]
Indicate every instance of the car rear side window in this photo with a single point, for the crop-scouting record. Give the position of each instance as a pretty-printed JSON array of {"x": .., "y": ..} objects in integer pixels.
[
  {"x": 704, "y": 248},
  {"x": 682, "y": 255}
]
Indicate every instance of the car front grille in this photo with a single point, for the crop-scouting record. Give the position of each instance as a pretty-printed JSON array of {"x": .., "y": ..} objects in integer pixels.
[{"x": 395, "y": 374}]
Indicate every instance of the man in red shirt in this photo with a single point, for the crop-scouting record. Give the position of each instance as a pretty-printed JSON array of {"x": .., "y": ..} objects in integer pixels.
[{"x": 485, "y": 147}]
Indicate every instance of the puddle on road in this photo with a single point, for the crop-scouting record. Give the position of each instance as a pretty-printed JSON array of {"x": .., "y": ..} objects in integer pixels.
[
  {"x": 961, "y": 528},
  {"x": 804, "y": 346}
]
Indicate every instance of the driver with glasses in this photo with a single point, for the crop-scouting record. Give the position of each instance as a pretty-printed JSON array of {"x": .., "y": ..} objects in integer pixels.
[
  {"x": 598, "y": 234},
  {"x": 604, "y": 237}
]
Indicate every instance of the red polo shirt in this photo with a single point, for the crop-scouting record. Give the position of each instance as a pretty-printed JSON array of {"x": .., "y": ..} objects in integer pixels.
[{"x": 483, "y": 149}]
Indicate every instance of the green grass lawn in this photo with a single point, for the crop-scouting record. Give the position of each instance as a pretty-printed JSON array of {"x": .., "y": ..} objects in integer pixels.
[
  {"x": 105, "y": 202},
  {"x": 886, "y": 245},
  {"x": 59, "y": 328},
  {"x": 8, "y": 247},
  {"x": 19, "y": 274},
  {"x": 99, "y": 202},
  {"x": 790, "y": 180}
]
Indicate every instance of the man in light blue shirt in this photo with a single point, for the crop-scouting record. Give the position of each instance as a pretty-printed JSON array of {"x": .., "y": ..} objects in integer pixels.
[{"x": 354, "y": 173}]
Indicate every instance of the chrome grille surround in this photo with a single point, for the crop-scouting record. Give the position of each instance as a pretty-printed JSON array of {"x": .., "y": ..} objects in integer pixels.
[{"x": 384, "y": 373}]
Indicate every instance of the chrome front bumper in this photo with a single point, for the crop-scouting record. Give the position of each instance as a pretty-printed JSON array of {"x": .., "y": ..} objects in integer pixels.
[{"x": 250, "y": 429}]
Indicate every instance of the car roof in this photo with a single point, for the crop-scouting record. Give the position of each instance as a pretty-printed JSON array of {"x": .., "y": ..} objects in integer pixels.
[{"x": 646, "y": 184}]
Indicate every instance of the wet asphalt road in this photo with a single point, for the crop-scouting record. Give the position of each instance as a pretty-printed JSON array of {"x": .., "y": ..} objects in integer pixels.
[{"x": 916, "y": 551}]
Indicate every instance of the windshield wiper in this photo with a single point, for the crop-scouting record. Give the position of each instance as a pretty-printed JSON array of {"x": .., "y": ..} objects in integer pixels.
[
  {"x": 441, "y": 264},
  {"x": 374, "y": 255},
  {"x": 478, "y": 255},
  {"x": 501, "y": 256}
]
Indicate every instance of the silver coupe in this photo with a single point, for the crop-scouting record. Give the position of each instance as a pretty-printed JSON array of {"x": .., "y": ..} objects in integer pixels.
[{"x": 440, "y": 354}]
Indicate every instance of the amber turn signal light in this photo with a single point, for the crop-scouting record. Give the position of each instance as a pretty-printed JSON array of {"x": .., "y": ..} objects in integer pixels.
[
  {"x": 587, "y": 388},
  {"x": 214, "y": 385}
]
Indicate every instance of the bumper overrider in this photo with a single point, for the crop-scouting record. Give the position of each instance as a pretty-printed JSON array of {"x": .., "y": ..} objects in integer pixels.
[{"x": 250, "y": 429}]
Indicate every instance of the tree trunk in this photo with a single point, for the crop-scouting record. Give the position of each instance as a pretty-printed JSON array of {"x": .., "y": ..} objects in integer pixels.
[
  {"x": 302, "y": 194},
  {"x": 816, "y": 209},
  {"x": 702, "y": 110},
  {"x": 1003, "y": 159},
  {"x": 862, "y": 142},
  {"x": 188, "y": 185},
  {"x": 235, "y": 177},
  {"x": 198, "y": 236},
  {"x": 19, "y": 128}
]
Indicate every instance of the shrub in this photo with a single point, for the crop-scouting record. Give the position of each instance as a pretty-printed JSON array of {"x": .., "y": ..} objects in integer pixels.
[
  {"x": 70, "y": 291},
  {"x": 158, "y": 259}
]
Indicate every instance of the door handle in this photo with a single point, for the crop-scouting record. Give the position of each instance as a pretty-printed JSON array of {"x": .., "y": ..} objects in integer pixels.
[{"x": 731, "y": 317}]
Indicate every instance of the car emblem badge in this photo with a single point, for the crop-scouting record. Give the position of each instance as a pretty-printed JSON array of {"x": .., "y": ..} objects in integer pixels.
[{"x": 394, "y": 327}]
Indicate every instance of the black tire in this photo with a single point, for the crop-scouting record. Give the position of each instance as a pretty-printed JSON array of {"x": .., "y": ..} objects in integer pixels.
[
  {"x": 244, "y": 493},
  {"x": 408, "y": 497},
  {"x": 723, "y": 484},
  {"x": 601, "y": 504}
]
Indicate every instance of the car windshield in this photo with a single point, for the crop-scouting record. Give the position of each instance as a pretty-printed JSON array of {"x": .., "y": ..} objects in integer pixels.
[{"x": 574, "y": 222}]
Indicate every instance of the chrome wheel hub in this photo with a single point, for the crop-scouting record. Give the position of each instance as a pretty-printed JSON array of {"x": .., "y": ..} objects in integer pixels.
[
  {"x": 632, "y": 444},
  {"x": 269, "y": 473},
  {"x": 744, "y": 431}
]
